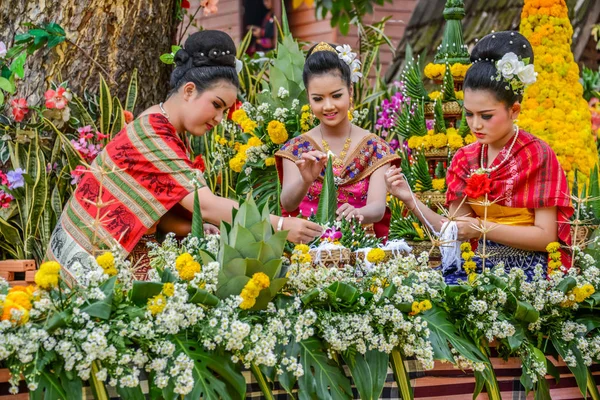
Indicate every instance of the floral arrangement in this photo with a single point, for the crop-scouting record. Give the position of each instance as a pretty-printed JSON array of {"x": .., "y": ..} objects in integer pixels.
[
  {"x": 553, "y": 107},
  {"x": 436, "y": 72},
  {"x": 517, "y": 73}
]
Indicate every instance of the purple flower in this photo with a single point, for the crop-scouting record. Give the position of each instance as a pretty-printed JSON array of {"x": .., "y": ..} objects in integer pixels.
[
  {"x": 394, "y": 144},
  {"x": 15, "y": 178},
  {"x": 430, "y": 123},
  {"x": 332, "y": 234}
]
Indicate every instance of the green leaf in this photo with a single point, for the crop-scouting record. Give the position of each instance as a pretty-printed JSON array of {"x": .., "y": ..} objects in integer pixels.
[
  {"x": 579, "y": 370},
  {"x": 102, "y": 308},
  {"x": 233, "y": 287},
  {"x": 18, "y": 65},
  {"x": 328, "y": 199},
  {"x": 215, "y": 376},
  {"x": 167, "y": 58},
  {"x": 197, "y": 223},
  {"x": 132, "y": 91},
  {"x": 49, "y": 388},
  {"x": 6, "y": 85},
  {"x": 369, "y": 372},
  {"x": 201, "y": 296},
  {"x": 119, "y": 121},
  {"x": 133, "y": 393},
  {"x": 143, "y": 290},
  {"x": 106, "y": 107},
  {"x": 526, "y": 313}
]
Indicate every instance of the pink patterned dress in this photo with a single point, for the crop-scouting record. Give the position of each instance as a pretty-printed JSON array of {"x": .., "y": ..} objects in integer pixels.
[{"x": 352, "y": 178}]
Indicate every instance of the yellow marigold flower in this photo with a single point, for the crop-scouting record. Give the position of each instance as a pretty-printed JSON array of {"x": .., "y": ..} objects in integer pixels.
[
  {"x": 157, "y": 304},
  {"x": 239, "y": 116},
  {"x": 555, "y": 256},
  {"x": 248, "y": 126},
  {"x": 261, "y": 280},
  {"x": 415, "y": 308},
  {"x": 182, "y": 260},
  {"x": 470, "y": 139},
  {"x": 552, "y": 247},
  {"x": 439, "y": 140},
  {"x": 277, "y": 132},
  {"x": 270, "y": 161},
  {"x": 425, "y": 305},
  {"x": 435, "y": 95},
  {"x": 237, "y": 164},
  {"x": 465, "y": 246},
  {"x": 554, "y": 264},
  {"x": 434, "y": 71},
  {"x": 459, "y": 70},
  {"x": 7, "y": 312},
  {"x": 223, "y": 142},
  {"x": 460, "y": 95},
  {"x": 247, "y": 302},
  {"x": 455, "y": 141},
  {"x": 472, "y": 276},
  {"x": 302, "y": 248},
  {"x": 22, "y": 299},
  {"x": 419, "y": 230},
  {"x": 469, "y": 267},
  {"x": 439, "y": 184},
  {"x": 168, "y": 289},
  {"x": 47, "y": 276},
  {"x": 107, "y": 262},
  {"x": 254, "y": 142},
  {"x": 305, "y": 108},
  {"x": 467, "y": 255},
  {"x": 375, "y": 255},
  {"x": 187, "y": 266},
  {"x": 415, "y": 142}
]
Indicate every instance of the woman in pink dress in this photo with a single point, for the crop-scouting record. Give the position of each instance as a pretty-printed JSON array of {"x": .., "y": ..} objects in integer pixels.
[{"x": 360, "y": 158}]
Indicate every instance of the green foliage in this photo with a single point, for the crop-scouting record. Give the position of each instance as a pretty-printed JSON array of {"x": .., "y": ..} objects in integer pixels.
[
  {"x": 345, "y": 13},
  {"x": 169, "y": 58},
  {"x": 328, "y": 199},
  {"x": 440, "y": 123},
  {"x": 354, "y": 235},
  {"x": 591, "y": 83},
  {"x": 197, "y": 225},
  {"x": 448, "y": 93},
  {"x": 248, "y": 246},
  {"x": 369, "y": 372},
  {"x": 414, "y": 81}
]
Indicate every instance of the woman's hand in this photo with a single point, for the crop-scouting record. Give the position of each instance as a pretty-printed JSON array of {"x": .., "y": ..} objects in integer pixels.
[
  {"x": 398, "y": 186},
  {"x": 467, "y": 228},
  {"x": 310, "y": 165},
  {"x": 301, "y": 230},
  {"x": 210, "y": 229},
  {"x": 348, "y": 211}
]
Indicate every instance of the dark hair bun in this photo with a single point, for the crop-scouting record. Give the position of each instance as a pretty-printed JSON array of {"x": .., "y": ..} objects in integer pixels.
[
  {"x": 484, "y": 56},
  {"x": 207, "y": 56},
  {"x": 325, "y": 62},
  {"x": 494, "y": 46}
]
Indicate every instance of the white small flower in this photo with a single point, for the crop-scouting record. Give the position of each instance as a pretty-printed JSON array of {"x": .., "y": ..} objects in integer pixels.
[
  {"x": 527, "y": 75},
  {"x": 2, "y": 49},
  {"x": 345, "y": 53},
  {"x": 283, "y": 93},
  {"x": 509, "y": 65}
]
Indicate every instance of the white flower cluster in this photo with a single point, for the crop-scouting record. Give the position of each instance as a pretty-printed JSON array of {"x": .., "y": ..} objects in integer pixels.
[{"x": 518, "y": 74}]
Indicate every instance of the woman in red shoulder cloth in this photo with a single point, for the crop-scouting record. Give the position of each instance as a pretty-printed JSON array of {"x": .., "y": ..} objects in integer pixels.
[{"x": 519, "y": 173}]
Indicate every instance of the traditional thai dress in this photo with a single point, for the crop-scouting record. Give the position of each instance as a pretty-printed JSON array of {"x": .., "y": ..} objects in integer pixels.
[
  {"x": 530, "y": 178},
  {"x": 352, "y": 178},
  {"x": 137, "y": 178}
]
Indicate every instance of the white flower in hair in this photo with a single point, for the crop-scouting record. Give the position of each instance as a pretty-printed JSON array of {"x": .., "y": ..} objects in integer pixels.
[
  {"x": 355, "y": 71},
  {"x": 527, "y": 75},
  {"x": 345, "y": 53},
  {"x": 509, "y": 65}
]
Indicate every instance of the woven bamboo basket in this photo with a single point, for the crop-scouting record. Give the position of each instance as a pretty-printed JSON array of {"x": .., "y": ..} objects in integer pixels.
[
  {"x": 436, "y": 153},
  {"x": 432, "y": 197},
  {"x": 580, "y": 234},
  {"x": 331, "y": 258},
  {"x": 451, "y": 109},
  {"x": 425, "y": 246}
]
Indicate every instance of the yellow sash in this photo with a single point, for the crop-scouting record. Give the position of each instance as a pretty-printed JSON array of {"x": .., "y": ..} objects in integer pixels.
[{"x": 505, "y": 215}]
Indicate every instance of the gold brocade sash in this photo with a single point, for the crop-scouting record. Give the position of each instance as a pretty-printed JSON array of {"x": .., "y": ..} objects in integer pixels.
[{"x": 504, "y": 215}]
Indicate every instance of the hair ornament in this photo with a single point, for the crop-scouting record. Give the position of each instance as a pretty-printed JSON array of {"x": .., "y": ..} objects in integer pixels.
[
  {"x": 344, "y": 52},
  {"x": 517, "y": 73}
]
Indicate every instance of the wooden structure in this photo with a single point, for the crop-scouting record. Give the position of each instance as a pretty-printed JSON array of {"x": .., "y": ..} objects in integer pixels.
[{"x": 18, "y": 272}]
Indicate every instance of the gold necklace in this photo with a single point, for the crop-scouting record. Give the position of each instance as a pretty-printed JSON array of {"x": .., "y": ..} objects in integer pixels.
[{"x": 338, "y": 161}]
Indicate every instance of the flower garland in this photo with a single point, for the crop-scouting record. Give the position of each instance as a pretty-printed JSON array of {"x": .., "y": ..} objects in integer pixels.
[
  {"x": 553, "y": 108},
  {"x": 469, "y": 265},
  {"x": 554, "y": 258},
  {"x": 436, "y": 71}
]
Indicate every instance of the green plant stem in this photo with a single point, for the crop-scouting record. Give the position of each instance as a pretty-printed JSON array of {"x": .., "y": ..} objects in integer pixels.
[
  {"x": 401, "y": 375},
  {"x": 98, "y": 389},
  {"x": 591, "y": 386},
  {"x": 262, "y": 382}
]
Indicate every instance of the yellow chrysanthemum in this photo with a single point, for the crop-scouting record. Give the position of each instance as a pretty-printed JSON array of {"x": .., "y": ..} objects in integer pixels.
[
  {"x": 261, "y": 280},
  {"x": 248, "y": 126},
  {"x": 439, "y": 184},
  {"x": 419, "y": 230},
  {"x": 376, "y": 255},
  {"x": 239, "y": 116},
  {"x": 277, "y": 132},
  {"x": 157, "y": 304},
  {"x": 237, "y": 164},
  {"x": 270, "y": 161},
  {"x": 187, "y": 266},
  {"x": 465, "y": 246},
  {"x": 425, "y": 305},
  {"x": 455, "y": 141},
  {"x": 168, "y": 289},
  {"x": 23, "y": 299},
  {"x": 470, "y": 139},
  {"x": 415, "y": 142},
  {"x": 553, "y": 247},
  {"x": 14, "y": 312},
  {"x": 47, "y": 276},
  {"x": 254, "y": 142},
  {"x": 107, "y": 262},
  {"x": 435, "y": 95},
  {"x": 302, "y": 248}
]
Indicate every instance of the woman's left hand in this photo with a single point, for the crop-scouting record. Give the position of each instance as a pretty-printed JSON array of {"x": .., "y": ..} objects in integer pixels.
[
  {"x": 348, "y": 211},
  {"x": 211, "y": 229},
  {"x": 467, "y": 228}
]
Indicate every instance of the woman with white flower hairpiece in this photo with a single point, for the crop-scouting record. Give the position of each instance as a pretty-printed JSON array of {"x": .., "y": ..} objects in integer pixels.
[
  {"x": 360, "y": 158},
  {"x": 530, "y": 203}
]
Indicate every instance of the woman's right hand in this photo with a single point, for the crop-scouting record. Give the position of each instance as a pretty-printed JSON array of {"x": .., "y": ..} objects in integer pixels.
[
  {"x": 301, "y": 230},
  {"x": 397, "y": 185},
  {"x": 311, "y": 164}
]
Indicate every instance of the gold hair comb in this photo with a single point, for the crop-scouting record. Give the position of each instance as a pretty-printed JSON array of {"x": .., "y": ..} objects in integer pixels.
[{"x": 323, "y": 47}]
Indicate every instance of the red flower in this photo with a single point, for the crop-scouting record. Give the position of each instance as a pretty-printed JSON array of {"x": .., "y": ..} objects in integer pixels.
[
  {"x": 185, "y": 4},
  {"x": 478, "y": 185},
  {"x": 5, "y": 199},
  {"x": 128, "y": 116},
  {"x": 3, "y": 178},
  {"x": 199, "y": 163},
  {"x": 19, "y": 109},
  {"x": 57, "y": 99}
]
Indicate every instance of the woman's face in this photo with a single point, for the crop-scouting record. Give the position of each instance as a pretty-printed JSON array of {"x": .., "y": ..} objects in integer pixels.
[
  {"x": 329, "y": 98},
  {"x": 202, "y": 112},
  {"x": 489, "y": 119}
]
